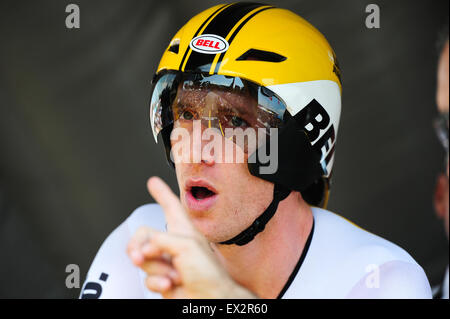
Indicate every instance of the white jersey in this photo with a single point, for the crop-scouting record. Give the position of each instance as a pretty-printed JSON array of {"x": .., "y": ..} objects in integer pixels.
[{"x": 340, "y": 260}]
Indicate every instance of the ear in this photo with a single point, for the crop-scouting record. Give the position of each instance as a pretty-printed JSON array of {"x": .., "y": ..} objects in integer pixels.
[{"x": 441, "y": 196}]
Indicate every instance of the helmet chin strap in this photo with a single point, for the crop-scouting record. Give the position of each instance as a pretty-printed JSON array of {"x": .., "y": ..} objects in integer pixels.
[{"x": 246, "y": 236}]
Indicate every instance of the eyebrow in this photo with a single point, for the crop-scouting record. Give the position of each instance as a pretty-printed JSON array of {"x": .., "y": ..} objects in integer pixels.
[
  {"x": 189, "y": 99},
  {"x": 241, "y": 110}
]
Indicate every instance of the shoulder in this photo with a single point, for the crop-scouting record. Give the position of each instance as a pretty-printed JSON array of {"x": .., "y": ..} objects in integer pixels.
[
  {"x": 112, "y": 274},
  {"x": 343, "y": 258},
  {"x": 354, "y": 242},
  {"x": 393, "y": 279},
  {"x": 150, "y": 215}
]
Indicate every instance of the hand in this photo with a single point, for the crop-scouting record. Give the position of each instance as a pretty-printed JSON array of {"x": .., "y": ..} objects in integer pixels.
[{"x": 180, "y": 263}]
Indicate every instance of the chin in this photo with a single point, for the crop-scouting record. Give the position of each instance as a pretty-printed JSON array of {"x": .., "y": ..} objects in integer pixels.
[{"x": 210, "y": 229}]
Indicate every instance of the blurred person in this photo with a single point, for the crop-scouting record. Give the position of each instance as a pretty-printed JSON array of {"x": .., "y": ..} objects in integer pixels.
[
  {"x": 441, "y": 124},
  {"x": 441, "y": 206},
  {"x": 242, "y": 229}
]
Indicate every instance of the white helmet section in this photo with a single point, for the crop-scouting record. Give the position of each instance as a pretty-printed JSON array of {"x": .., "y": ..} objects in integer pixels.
[{"x": 327, "y": 93}]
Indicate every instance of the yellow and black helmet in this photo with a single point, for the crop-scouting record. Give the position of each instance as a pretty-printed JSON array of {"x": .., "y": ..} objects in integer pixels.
[{"x": 289, "y": 68}]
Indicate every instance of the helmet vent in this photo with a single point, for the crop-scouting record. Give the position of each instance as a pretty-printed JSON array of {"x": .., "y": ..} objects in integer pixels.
[
  {"x": 174, "y": 46},
  {"x": 260, "y": 55}
]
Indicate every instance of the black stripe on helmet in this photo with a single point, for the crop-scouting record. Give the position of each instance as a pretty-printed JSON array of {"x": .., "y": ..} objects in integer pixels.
[
  {"x": 234, "y": 35},
  {"x": 221, "y": 25},
  {"x": 197, "y": 32}
]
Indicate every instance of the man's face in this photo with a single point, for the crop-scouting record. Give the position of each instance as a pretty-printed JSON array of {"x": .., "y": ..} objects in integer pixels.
[
  {"x": 442, "y": 95},
  {"x": 441, "y": 200},
  {"x": 222, "y": 198},
  {"x": 441, "y": 193}
]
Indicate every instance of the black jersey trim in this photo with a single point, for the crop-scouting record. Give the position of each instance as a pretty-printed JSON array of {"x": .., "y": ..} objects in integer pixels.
[{"x": 299, "y": 263}]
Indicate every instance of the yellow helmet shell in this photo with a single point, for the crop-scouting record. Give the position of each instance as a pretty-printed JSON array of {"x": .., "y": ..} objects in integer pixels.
[{"x": 308, "y": 56}]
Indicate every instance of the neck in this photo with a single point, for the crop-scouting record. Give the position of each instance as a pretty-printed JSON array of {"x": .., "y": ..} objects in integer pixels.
[{"x": 265, "y": 264}]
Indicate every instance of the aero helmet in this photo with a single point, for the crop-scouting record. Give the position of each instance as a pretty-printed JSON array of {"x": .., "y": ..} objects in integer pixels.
[{"x": 281, "y": 64}]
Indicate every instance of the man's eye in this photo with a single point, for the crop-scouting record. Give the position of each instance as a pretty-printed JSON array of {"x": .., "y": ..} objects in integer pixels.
[
  {"x": 187, "y": 115},
  {"x": 237, "y": 121}
]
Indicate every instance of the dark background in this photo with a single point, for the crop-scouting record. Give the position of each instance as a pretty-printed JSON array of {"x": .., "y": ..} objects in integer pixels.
[{"x": 76, "y": 147}]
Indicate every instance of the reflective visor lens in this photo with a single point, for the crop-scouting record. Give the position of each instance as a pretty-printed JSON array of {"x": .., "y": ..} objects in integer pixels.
[{"x": 232, "y": 107}]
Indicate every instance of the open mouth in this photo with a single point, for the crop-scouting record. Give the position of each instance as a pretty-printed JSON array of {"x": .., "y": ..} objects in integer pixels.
[
  {"x": 201, "y": 196},
  {"x": 200, "y": 192}
]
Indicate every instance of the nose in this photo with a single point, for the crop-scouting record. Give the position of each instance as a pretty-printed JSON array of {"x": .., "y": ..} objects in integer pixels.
[
  {"x": 204, "y": 144},
  {"x": 208, "y": 158}
]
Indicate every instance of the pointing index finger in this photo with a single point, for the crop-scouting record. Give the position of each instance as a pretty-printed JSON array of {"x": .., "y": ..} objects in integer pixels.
[{"x": 177, "y": 219}]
